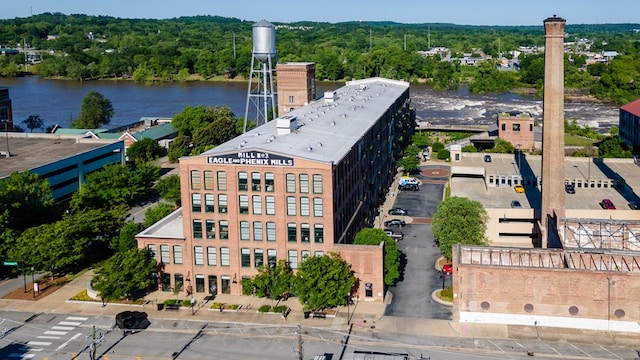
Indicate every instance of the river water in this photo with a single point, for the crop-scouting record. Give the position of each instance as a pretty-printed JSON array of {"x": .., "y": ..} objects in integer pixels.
[{"x": 59, "y": 101}]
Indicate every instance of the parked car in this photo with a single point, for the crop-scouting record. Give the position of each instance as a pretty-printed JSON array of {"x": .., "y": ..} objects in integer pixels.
[
  {"x": 487, "y": 158},
  {"x": 395, "y": 222},
  {"x": 408, "y": 180},
  {"x": 569, "y": 188},
  {"x": 447, "y": 269},
  {"x": 607, "y": 204},
  {"x": 396, "y": 235},
  {"x": 516, "y": 204},
  {"x": 519, "y": 188},
  {"x": 132, "y": 321},
  {"x": 410, "y": 187},
  {"x": 398, "y": 211}
]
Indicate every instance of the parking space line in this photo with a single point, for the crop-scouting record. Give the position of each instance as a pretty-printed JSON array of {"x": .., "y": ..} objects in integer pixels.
[
  {"x": 607, "y": 350},
  {"x": 496, "y": 345},
  {"x": 577, "y": 348},
  {"x": 557, "y": 352}
]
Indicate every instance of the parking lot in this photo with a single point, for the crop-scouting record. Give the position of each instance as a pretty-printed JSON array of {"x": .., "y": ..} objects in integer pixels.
[{"x": 411, "y": 296}]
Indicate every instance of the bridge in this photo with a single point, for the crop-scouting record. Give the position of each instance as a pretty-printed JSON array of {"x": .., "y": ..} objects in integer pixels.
[{"x": 457, "y": 128}]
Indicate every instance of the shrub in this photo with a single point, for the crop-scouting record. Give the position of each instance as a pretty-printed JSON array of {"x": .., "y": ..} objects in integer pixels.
[
  {"x": 437, "y": 146},
  {"x": 446, "y": 294},
  {"x": 280, "y": 308},
  {"x": 443, "y": 154},
  {"x": 186, "y": 303},
  {"x": 264, "y": 308},
  {"x": 82, "y": 296},
  {"x": 233, "y": 306},
  {"x": 171, "y": 302},
  {"x": 217, "y": 305}
]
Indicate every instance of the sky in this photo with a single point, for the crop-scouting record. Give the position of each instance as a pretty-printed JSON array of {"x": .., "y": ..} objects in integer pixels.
[{"x": 462, "y": 12}]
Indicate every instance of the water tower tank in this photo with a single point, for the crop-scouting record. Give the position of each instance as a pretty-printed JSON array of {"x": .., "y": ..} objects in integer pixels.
[{"x": 264, "y": 40}]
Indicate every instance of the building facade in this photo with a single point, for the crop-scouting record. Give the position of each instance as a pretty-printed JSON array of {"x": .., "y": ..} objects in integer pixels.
[
  {"x": 296, "y": 85},
  {"x": 301, "y": 185},
  {"x": 517, "y": 128},
  {"x": 6, "y": 112},
  {"x": 629, "y": 124}
]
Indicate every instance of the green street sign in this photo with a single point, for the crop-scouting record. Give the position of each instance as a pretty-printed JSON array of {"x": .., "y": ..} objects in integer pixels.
[{"x": 10, "y": 263}]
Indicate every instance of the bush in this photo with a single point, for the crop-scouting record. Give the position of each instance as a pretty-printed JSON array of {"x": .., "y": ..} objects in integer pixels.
[
  {"x": 217, "y": 305},
  {"x": 264, "y": 308},
  {"x": 437, "y": 146},
  {"x": 280, "y": 308},
  {"x": 186, "y": 303},
  {"x": 82, "y": 296},
  {"x": 171, "y": 302},
  {"x": 233, "y": 306},
  {"x": 443, "y": 154},
  {"x": 446, "y": 294}
]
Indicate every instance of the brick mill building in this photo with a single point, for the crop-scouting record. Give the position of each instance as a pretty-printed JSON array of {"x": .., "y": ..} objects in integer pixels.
[{"x": 301, "y": 185}]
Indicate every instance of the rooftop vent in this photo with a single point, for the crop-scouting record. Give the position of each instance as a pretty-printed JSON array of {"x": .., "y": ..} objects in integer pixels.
[
  {"x": 309, "y": 148},
  {"x": 287, "y": 124},
  {"x": 330, "y": 96}
]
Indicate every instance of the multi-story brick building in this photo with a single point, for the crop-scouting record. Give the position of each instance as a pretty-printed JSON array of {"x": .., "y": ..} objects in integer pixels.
[
  {"x": 296, "y": 85},
  {"x": 301, "y": 185},
  {"x": 629, "y": 124},
  {"x": 517, "y": 128}
]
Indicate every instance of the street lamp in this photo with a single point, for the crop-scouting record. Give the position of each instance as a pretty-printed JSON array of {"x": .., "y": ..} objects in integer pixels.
[
  {"x": 348, "y": 311},
  {"x": 33, "y": 283}
]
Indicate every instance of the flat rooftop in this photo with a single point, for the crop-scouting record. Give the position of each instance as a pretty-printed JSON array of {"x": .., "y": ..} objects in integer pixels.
[
  {"x": 29, "y": 152},
  {"x": 493, "y": 196}
]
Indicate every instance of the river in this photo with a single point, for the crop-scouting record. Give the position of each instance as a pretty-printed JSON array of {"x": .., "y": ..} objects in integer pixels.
[{"x": 59, "y": 101}]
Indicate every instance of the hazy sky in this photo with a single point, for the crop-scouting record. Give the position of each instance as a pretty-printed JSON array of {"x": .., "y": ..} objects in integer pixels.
[{"x": 466, "y": 12}]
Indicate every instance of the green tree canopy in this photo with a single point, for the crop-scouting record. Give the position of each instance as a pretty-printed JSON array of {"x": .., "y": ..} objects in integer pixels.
[
  {"x": 33, "y": 122},
  {"x": 126, "y": 240},
  {"x": 270, "y": 282},
  {"x": 125, "y": 275},
  {"x": 95, "y": 111},
  {"x": 459, "y": 221},
  {"x": 169, "y": 188},
  {"x": 26, "y": 200},
  {"x": 143, "y": 151},
  {"x": 156, "y": 213},
  {"x": 323, "y": 282},
  {"x": 613, "y": 147},
  {"x": 370, "y": 236}
]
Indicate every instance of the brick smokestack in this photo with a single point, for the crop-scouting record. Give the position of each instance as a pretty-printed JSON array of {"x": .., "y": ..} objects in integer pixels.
[{"x": 553, "y": 196}]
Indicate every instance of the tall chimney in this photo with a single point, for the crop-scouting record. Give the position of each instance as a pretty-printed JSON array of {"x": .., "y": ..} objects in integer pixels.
[{"x": 553, "y": 196}]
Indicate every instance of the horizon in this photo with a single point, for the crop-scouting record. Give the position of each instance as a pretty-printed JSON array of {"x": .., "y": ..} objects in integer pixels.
[{"x": 486, "y": 13}]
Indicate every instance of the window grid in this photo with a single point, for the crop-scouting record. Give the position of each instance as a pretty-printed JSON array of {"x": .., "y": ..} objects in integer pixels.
[
  {"x": 210, "y": 229},
  {"x": 224, "y": 229},
  {"x": 257, "y": 231},
  {"x": 222, "y": 203},
  {"x": 197, "y": 229},
  {"x": 291, "y": 205},
  {"x": 152, "y": 250},
  {"x": 318, "y": 233},
  {"x": 317, "y": 207},
  {"x": 242, "y": 181},
  {"x": 317, "y": 184},
  {"x": 255, "y": 181},
  {"x": 293, "y": 259},
  {"x": 271, "y": 231},
  {"x": 305, "y": 233},
  {"x": 245, "y": 257},
  {"x": 244, "y": 230},
  {"x": 243, "y": 203},
  {"x": 272, "y": 259},
  {"x": 209, "y": 203},
  {"x": 208, "y": 180},
  {"x": 256, "y": 202},
  {"x": 291, "y": 183},
  {"x": 222, "y": 181},
  {"x": 258, "y": 258},
  {"x": 195, "y": 180},
  {"x": 196, "y": 202},
  {"x": 305, "y": 206},
  {"x": 164, "y": 254},
  {"x": 212, "y": 256},
  {"x": 271, "y": 205},
  {"x": 198, "y": 255},
  {"x": 304, "y": 183},
  {"x": 269, "y": 182},
  {"x": 292, "y": 232},
  {"x": 177, "y": 254},
  {"x": 224, "y": 256}
]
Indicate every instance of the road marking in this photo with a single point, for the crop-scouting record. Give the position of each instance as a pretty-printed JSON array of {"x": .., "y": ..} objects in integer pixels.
[
  {"x": 77, "y": 318},
  {"x": 616, "y": 355},
  {"x": 39, "y": 343},
  {"x": 48, "y": 337},
  {"x": 55, "y": 333},
  {"x": 35, "y": 349},
  {"x": 71, "y": 323},
  {"x": 577, "y": 348},
  {"x": 494, "y": 344},
  {"x": 68, "y": 341},
  {"x": 22, "y": 356},
  {"x": 68, "y": 328}
]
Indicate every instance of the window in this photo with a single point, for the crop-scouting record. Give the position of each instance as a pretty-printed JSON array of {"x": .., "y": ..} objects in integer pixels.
[
  {"x": 291, "y": 205},
  {"x": 178, "y": 281},
  {"x": 292, "y": 232},
  {"x": 317, "y": 184},
  {"x": 222, "y": 203},
  {"x": 177, "y": 254},
  {"x": 504, "y": 127},
  {"x": 272, "y": 260},
  {"x": 258, "y": 257},
  {"x": 305, "y": 254},
  {"x": 242, "y": 181},
  {"x": 318, "y": 233},
  {"x": 244, "y": 204},
  {"x": 304, "y": 206},
  {"x": 152, "y": 250},
  {"x": 256, "y": 202},
  {"x": 305, "y": 233},
  {"x": 244, "y": 230},
  {"x": 197, "y": 229},
  {"x": 257, "y": 231},
  {"x": 291, "y": 99},
  {"x": 195, "y": 180},
  {"x": 516, "y": 127},
  {"x": 210, "y": 229},
  {"x": 224, "y": 229},
  {"x": 164, "y": 254},
  {"x": 245, "y": 257},
  {"x": 209, "y": 203},
  {"x": 293, "y": 259},
  {"x": 208, "y": 180},
  {"x": 198, "y": 255},
  {"x": 530, "y": 127},
  {"x": 317, "y": 206},
  {"x": 212, "y": 256},
  {"x": 271, "y": 205},
  {"x": 271, "y": 231},
  {"x": 222, "y": 181},
  {"x": 196, "y": 202},
  {"x": 255, "y": 181},
  {"x": 224, "y": 256},
  {"x": 304, "y": 183},
  {"x": 269, "y": 182},
  {"x": 318, "y": 253},
  {"x": 291, "y": 183}
]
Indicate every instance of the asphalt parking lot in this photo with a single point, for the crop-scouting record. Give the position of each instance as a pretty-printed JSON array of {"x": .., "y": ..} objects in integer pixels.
[{"x": 419, "y": 278}]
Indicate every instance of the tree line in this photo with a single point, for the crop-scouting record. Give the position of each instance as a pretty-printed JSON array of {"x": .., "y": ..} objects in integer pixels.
[{"x": 85, "y": 47}]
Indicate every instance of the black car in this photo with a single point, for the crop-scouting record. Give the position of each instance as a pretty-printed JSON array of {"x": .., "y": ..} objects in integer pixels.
[
  {"x": 398, "y": 211},
  {"x": 395, "y": 222},
  {"x": 411, "y": 187},
  {"x": 132, "y": 321},
  {"x": 487, "y": 158},
  {"x": 569, "y": 188}
]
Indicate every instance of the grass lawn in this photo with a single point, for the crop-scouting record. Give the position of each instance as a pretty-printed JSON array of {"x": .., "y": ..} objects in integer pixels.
[{"x": 577, "y": 141}]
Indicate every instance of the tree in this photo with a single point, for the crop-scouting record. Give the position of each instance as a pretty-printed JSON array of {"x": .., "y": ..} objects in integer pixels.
[
  {"x": 95, "y": 111},
  {"x": 459, "y": 221},
  {"x": 271, "y": 281},
  {"x": 169, "y": 188},
  {"x": 127, "y": 238},
  {"x": 370, "y": 236},
  {"x": 33, "y": 122},
  {"x": 125, "y": 275},
  {"x": 324, "y": 281},
  {"x": 156, "y": 213},
  {"x": 26, "y": 200},
  {"x": 613, "y": 147},
  {"x": 145, "y": 150}
]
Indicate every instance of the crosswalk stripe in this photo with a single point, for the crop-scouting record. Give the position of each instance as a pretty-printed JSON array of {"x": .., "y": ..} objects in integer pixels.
[
  {"x": 70, "y": 323},
  {"x": 68, "y": 328},
  {"x": 48, "y": 337},
  {"x": 77, "y": 318},
  {"x": 55, "y": 332},
  {"x": 21, "y": 355},
  {"x": 39, "y": 343},
  {"x": 36, "y": 349}
]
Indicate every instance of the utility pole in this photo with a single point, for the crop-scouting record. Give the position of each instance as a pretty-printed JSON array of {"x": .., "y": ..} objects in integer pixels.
[{"x": 300, "y": 350}]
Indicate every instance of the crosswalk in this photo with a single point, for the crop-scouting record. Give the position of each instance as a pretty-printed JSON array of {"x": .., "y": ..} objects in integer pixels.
[{"x": 55, "y": 333}]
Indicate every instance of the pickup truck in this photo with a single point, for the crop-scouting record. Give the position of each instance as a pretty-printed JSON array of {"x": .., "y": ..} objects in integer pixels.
[{"x": 394, "y": 235}]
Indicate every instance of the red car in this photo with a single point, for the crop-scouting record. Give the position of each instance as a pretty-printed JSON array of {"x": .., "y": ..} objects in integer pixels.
[
  {"x": 607, "y": 204},
  {"x": 447, "y": 269}
]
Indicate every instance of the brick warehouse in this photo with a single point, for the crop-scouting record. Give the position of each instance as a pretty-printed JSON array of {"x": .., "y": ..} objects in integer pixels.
[{"x": 301, "y": 185}]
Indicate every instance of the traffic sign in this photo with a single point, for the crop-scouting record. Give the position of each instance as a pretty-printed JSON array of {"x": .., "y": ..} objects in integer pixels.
[{"x": 10, "y": 263}]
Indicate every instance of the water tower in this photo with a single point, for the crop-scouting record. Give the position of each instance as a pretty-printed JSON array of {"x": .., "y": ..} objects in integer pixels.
[{"x": 261, "y": 95}]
